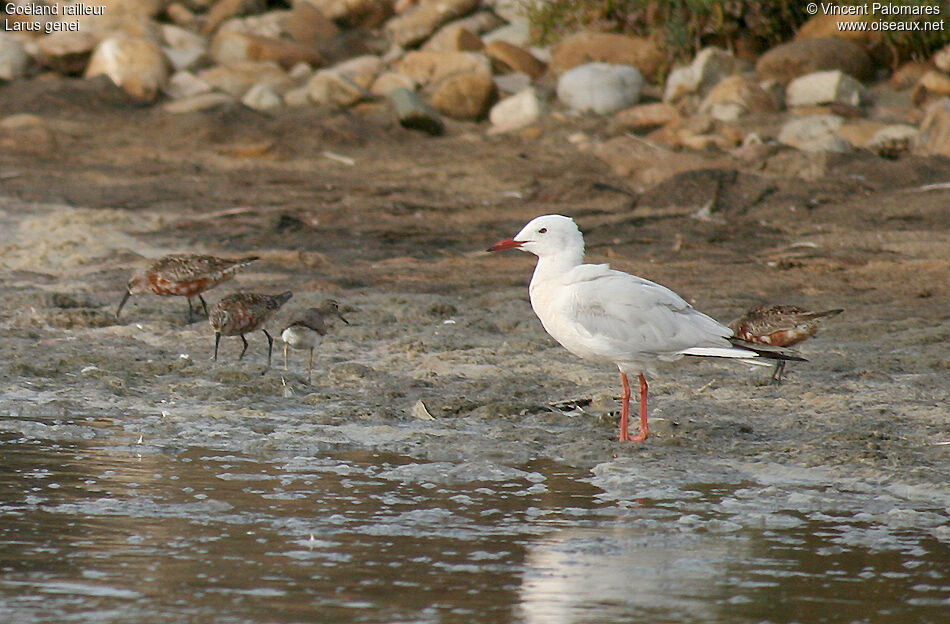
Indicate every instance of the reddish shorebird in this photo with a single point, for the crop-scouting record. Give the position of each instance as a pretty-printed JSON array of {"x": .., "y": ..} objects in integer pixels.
[
  {"x": 779, "y": 325},
  {"x": 243, "y": 313},
  {"x": 307, "y": 330},
  {"x": 604, "y": 315},
  {"x": 184, "y": 275}
]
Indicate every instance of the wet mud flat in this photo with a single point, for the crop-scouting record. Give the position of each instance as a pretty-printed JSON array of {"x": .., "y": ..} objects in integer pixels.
[{"x": 397, "y": 238}]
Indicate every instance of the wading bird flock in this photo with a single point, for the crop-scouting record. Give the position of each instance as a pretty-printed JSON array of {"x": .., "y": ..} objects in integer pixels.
[{"x": 597, "y": 313}]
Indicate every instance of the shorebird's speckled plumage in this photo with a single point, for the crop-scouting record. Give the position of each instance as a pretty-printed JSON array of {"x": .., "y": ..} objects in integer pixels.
[
  {"x": 242, "y": 313},
  {"x": 308, "y": 330},
  {"x": 780, "y": 326},
  {"x": 183, "y": 275}
]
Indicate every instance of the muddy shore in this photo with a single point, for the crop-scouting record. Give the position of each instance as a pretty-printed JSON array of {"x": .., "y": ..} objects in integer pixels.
[{"x": 397, "y": 237}]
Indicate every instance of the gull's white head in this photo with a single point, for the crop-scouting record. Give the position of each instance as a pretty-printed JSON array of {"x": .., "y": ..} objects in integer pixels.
[{"x": 547, "y": 235}]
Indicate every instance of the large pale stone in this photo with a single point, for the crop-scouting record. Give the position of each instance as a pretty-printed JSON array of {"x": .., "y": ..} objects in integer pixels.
[
  {"x": 827, "y": 87},
  {"x": 362, "y": 70},
  {"x": 136, "y": 65},
  {"x": 932, "y": 85},
  {"x": 600, "y": 87},
  {"x": 184, "y": 84},
  {"x": 387, "y": 82}
]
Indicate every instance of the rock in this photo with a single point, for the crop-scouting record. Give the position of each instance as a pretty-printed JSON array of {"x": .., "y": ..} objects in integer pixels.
[
  {"x": 734, "y": 97},
  {"x": 301, "y": 72},
  {"x": 828, "y": 25},
  {"x": 387, "y": 82},
  {"x": 64, "y": 52},
  {"x": 826, "y": 87},
  {"x": 893, "y": 140},
  {"x": 297, "y": 98},
  {"x": 184, "y": 84},
  {"x": 416, "y": 24},
  {"x": 362, "y": 70},
  {"x": 262, "y": 97},
  {"x": 931, "y": 85},
  {"x": 13, "y": 58},
  {"x": 181, "y": 15},
  {"x": 708, "y": 69},
  {"x": 464, "y": 95},
  {"x": 224, "y": 10},
  {"x": 934, "y": 135},
  {"x": 196, "y": 103},
  {"x": 307, "y": 25},
  {"x": 184, "y": 49},
  {"x": 426, "y": 66},
  {"x": 330, "y": 86},
  {"x": 815, "y": 133},
  {"x": 941, "y": 59},
  {"x": 515, "y": 112},
  {"x": 354, "y": 13},
  {"x": 229, "y": 47},
  {"x": 647, "y": 163},
  {"x": 512, "y": 83},
  {"x": 643, "y": 117},
  {"x": 587, "y": 47},
  {"x": 507, "y": 58},
  {"x": 136, "y": 65},
  {"x": 601, "y": 88},
  {"x": 788, "y": 61},
  {"x": 516, "y": 33},
  {"x": 236, "y": 79},
  {"x": 453, "y": 38},
  {"x": 413, "y": 113},
  {"x": 859, "y": 132},
  {"x": 908, "y": 74}
]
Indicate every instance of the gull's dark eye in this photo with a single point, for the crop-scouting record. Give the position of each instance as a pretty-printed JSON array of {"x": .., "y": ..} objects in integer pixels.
[{"x": 543, "y": 231}]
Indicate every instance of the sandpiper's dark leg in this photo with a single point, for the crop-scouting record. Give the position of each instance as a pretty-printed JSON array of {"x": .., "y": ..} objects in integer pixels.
[
  {"x": 270, "y": 346},
  {"x": 217, "y": 339},
  {"x": 204, "y": 306},
  {"x": 125, "y": 298},
  {"x": 310, "y": 369},
  {"x": 244, "y": 340},
  {"x": 777, "y": 372},
  {"x": 191, "y": 314}
]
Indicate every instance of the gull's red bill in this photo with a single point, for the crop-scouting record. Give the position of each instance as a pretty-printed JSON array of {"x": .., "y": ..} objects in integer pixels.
[{"x": 508, "y": 243}]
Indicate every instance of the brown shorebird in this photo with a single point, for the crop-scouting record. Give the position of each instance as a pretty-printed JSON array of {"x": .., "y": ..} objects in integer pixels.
[
  {"x": 780, "y": 326},
  {"x": 242, "y": 313},
  {"x": 184, "y": 275},
  {"x": 308, "y": 330}
]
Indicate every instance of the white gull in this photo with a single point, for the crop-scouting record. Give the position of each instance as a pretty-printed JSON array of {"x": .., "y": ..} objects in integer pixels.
[{"x": 603, "y": 315}]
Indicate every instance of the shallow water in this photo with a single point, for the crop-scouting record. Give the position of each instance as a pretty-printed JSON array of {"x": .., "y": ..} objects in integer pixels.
[{"x": 98, "y": 526}]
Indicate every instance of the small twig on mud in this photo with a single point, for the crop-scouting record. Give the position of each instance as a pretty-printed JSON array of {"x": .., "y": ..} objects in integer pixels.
[
  {"x": 940, "y": 186},
  {"x": 346, "y": 160}
]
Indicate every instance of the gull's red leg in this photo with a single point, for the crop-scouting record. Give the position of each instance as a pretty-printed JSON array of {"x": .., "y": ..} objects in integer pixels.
[
  {"x": 625, "y": 410},
  {"x": 644, "y": 428}
]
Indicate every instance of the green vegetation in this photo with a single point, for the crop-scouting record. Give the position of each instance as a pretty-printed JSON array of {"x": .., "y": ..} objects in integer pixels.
[{"x": 684, "y": 26}]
